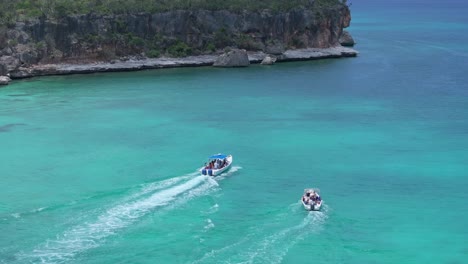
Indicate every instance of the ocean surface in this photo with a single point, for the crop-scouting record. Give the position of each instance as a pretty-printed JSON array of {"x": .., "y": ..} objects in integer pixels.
[{"x": 102, "y": 168}]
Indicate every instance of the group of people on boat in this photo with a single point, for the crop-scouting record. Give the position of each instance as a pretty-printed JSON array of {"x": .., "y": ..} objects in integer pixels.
[
  {"x": 216, "y": 164},
  {"x": 311, "y": 197}
]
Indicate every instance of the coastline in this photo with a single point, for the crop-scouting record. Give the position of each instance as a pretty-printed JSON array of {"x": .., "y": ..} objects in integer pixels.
[{"x": 160, "y": 63}]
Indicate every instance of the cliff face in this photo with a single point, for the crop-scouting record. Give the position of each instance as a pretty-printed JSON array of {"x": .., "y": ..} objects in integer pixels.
[{"x": 176, "y": 33}]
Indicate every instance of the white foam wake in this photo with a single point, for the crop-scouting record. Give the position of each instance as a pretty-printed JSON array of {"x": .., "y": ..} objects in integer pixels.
[
  {"x": 273, "y": 248},
  {"x": 228, "y": 173},
  {"x": 90, "y": 235},
  {"x": 275, "y": 244},
  {"x": 154, "y": 186}
]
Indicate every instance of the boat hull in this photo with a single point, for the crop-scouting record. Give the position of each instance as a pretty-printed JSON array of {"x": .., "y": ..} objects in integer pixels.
[
  {"x": 216, "y": 172},
  {"x": 309, "y": 207}
]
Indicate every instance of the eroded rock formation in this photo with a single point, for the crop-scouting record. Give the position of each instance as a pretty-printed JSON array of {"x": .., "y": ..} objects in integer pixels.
[{"x": 100, "y": 38}]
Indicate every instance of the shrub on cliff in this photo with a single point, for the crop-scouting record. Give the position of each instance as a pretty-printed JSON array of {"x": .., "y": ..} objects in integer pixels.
[
  {"x": 153, "y": 53},
  {"x": 245, "y": 41},
  {"x": 221, "y": 38},
  {"x": 210, "y": 47},
  {"x": 180, "y": 49}
]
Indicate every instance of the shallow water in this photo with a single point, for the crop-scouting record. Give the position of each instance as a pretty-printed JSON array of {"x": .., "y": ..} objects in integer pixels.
[{"x": 101, "y": 168}]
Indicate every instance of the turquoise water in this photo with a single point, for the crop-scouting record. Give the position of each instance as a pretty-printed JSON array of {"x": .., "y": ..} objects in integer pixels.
[{"x": 101, "y": 168}]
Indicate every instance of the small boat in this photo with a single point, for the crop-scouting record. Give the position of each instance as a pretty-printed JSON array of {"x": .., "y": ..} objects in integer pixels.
[
  {"x": 217, "y": 164},
  {"x": 311, "y": 199}
]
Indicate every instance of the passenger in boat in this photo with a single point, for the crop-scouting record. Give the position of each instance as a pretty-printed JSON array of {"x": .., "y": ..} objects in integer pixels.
[
  {"x": 312, "y": 198},
  {"x": 306, "y": 198},
  {"x": 318, "y": 199}
]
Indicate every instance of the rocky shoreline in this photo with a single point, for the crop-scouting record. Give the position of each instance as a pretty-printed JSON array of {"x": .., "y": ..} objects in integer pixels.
[
  {"x": 158, "y": 63},
  {"x": 94, "y": 42}
]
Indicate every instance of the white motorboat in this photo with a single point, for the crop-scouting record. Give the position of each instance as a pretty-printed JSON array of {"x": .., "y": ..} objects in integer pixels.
[
  {"x": 217, "y": 164},
  {"x": 311, "y": 199}
]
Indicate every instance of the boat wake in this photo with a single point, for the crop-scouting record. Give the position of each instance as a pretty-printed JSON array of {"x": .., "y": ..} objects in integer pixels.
[
  {"x": 271, "y": 244},
  {"x": 167, "y": 194},
  {"x": 228, "y": 173}
]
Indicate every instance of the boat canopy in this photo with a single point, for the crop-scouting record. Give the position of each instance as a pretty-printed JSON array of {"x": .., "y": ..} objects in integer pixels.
[{"x": 218, "y": 156}]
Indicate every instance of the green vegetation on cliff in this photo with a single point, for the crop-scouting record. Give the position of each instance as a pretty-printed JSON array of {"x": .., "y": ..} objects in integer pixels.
[
  {"x": 14, "y": 10},
  {"x": 54, "y": 31}
]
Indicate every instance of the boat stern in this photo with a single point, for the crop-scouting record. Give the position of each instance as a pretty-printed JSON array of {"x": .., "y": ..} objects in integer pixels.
[{"x": 207, "y": 172}]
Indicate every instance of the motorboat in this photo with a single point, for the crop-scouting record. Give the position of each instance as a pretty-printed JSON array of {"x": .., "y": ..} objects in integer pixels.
[
  {"x": 311, "y": 199},
  {"x": 217, "y": 164}
]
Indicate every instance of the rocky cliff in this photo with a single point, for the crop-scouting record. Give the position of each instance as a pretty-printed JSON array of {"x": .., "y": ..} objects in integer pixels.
[{"x": 88, "y": 38}]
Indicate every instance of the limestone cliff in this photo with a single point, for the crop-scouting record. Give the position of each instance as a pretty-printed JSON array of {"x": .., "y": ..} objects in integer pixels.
[{"x": 85, "y": 38}]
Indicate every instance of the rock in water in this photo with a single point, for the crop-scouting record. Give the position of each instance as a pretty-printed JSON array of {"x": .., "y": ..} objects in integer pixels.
[
  {"x": 268, "y": 60},
  {"x": 233, "y": 58},
  {"x": 4, "y": 80},
  {"x": 346, "y": 39}
]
